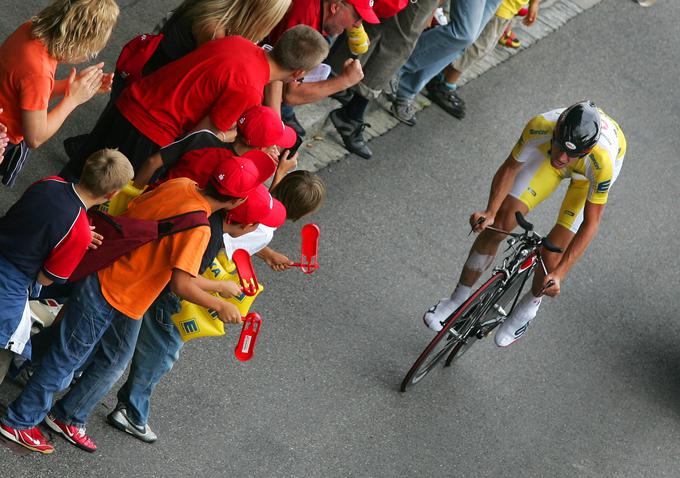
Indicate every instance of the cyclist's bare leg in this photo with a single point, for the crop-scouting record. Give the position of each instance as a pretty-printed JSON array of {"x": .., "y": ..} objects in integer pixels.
[
  {"x": 487, "y": 242},
  {"x": 479, "y": 260}
]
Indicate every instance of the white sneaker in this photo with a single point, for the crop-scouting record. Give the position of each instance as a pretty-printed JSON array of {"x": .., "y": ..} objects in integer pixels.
[
  {"x": 437, "y": 313},
  {"x": 511, "y": 330}
]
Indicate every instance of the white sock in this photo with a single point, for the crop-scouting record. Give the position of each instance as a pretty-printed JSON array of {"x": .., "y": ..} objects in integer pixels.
[
  {"x": 527, "y": 307},
  {"x": 460, "y": 294},
  {"x": 512, "y": 328}
]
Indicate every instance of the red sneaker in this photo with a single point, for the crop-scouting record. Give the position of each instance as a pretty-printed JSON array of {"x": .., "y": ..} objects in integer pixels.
[
  {"x": 72, "y": 433},
  {"x": 31, "y": 438}
]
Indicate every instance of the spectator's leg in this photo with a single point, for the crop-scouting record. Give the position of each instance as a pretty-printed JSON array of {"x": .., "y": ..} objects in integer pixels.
[
  {"x": 106, "y": 367},
  {"x": 392, "y": 42},
  {"x": 484, "y": 45},
  {"x": 157, "y": 350},
  {"x": 289, "y": 118},
  {"x": 439, "y": 46},
  {"x": 5, "y": 359},
  {"x": 83, "y": 324}
]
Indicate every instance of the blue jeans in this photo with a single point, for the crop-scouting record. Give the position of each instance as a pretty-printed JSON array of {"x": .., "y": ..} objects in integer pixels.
[
  {"x": 439, "y": 46},
  {"x": 88, "y": 319},
  {"x": 158, "y": 347}
]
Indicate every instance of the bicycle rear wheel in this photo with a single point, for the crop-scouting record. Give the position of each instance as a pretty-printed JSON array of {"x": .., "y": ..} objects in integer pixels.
[{"x": 455, "y": 333}]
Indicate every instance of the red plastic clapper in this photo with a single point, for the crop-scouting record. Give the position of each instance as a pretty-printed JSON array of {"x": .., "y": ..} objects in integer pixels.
[
  {"x": 246, "y": 342},
  {"x": 309, "y": 262},
  {"x": 245, "y": 270}
]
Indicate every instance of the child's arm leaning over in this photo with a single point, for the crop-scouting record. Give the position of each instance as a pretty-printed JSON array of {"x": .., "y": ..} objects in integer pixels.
[
  {"x": 187, "y": 287},
  {"x": 285, "y": 166},
  {"x": 275, "y": 260}
]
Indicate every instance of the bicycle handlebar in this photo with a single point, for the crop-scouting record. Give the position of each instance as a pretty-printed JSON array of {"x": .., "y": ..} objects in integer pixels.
[{"x": 528, "y": 227}]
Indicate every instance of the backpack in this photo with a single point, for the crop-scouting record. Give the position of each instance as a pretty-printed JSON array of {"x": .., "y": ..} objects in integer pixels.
[
  {"x": 134, "y": 56},
  {"x": 124, "y": 234}
]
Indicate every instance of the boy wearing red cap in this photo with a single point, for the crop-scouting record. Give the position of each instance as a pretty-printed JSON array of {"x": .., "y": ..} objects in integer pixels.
[
  {"x": 105, "y": 307},
  {"x": 159, "y": 341}
]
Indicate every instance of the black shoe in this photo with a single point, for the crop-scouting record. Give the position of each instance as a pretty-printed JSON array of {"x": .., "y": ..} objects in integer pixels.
[
  {"x": 352, "y": 133},
  {"x": 344, "y": 96},
  {"x": 293, "y": 122},
  {"x": 446, "y": 98}
]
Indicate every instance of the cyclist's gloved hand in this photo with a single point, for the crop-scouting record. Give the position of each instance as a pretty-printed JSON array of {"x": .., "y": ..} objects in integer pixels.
[
  {"x": 481, "y": 219},
  {"x": 551, "y": 290}
]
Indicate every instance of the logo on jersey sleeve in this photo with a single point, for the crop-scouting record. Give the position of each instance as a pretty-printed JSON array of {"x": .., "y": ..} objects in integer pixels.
[
  {"x": 603, "y": 186},
  {"x": 596, "y": 164}
]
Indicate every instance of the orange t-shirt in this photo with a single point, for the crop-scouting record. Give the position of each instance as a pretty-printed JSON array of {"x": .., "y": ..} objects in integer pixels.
[
  {"x": 133, "y": 282},
  {"x": 26, "y": 79}
]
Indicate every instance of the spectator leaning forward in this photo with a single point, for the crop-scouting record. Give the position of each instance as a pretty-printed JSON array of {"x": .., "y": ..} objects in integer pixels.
[
  {"x": 210, "y": 88},
  {"x": 192, "y": 24},
  {"x": 67, "y": 31},
  {"x": 45, "y": 234}
]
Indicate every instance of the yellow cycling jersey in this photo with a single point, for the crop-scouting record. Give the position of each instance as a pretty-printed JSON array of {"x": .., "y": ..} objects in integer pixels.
[{"x": 599, "y": 166}]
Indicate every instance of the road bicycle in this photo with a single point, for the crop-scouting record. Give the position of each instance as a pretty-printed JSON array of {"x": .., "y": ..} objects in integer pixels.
[{"x": 488, "y": 306}]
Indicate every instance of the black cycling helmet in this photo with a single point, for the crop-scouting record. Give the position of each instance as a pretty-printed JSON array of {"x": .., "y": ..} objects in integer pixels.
[{"x": 578, "y": 129}]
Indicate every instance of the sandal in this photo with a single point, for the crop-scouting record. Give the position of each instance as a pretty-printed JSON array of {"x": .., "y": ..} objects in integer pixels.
[{"x": 509, "y": 39}]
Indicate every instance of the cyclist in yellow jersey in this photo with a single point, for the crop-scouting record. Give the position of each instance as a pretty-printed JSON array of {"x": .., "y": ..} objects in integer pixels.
[{"x": 580, "y": 143}]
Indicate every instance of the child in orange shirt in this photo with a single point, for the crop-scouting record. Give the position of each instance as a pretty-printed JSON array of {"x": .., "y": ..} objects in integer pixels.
[{"x": 67, "y": 31}]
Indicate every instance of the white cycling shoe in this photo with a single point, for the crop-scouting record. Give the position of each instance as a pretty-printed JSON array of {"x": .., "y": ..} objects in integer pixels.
[
  {"x": 511, "y": 330},
  {"x": 437, "y": 313}
]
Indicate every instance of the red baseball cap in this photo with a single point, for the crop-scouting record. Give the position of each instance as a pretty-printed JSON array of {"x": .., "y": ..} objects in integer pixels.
[
  {"x": 261, "y": 208},
  {"x": 237, "y": 176},
  {"x": 365, "y": 10},
  {"x": 262, "y": 127}
]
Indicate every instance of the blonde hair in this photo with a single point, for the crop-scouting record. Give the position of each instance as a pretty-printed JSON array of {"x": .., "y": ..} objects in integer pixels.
[
  {"x": 106, "y": 171},
  {"x": 75, "y": 30},
  {"x": 251, "y": 19},
  {"x": 301, "y": 193}
]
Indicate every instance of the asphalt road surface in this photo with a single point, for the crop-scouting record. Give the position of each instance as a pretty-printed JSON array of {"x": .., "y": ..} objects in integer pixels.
[{"x": 593, "y": 388}]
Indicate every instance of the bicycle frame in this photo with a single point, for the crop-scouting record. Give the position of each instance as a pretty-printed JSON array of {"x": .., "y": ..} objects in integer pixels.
[{"x": 525, "y": 256}]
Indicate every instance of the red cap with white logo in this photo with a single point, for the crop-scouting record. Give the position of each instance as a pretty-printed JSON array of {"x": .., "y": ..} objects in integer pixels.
[
  {"x": 237, "y": 176},
  {"x": 261, "y": 208},
  {"x": 262, "y": 127}
]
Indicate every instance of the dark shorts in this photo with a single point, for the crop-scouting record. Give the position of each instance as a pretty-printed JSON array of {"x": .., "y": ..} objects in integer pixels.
[
  {"x": 112, "y": 130},
  {"x": 16, "y": 156}
]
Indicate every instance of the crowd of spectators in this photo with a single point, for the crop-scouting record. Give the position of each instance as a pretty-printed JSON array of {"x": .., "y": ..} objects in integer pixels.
[{"x": 201, "y": 115}]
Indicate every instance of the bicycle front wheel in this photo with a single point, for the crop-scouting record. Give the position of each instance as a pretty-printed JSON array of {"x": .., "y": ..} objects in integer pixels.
[{"x": 456, "y": 332}]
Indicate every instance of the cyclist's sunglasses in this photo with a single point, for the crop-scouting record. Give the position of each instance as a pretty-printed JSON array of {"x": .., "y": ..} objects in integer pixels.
[{"x": 555, "y": 144}]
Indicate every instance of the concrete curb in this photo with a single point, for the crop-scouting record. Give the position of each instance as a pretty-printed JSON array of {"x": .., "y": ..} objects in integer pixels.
[{"x": 324, "y": 145}]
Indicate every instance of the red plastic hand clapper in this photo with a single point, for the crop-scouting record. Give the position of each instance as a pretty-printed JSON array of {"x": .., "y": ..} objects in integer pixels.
[
  {"x": 309, "y": 262},
  {"x": 246, "y": 273},
  {"x": 246, "y": 342}
]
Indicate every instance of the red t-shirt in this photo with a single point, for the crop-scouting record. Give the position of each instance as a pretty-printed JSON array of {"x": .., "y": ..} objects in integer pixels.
[
  {"x": 221, "y": 79},
  {"x": 26, "y": 79},
  {"x": 301, "y": 12}
]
